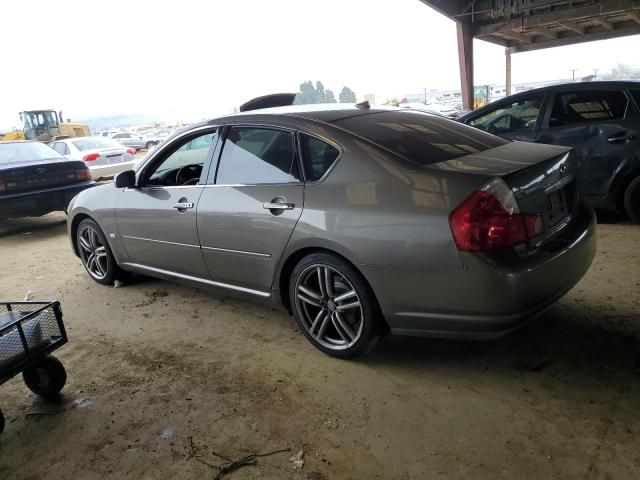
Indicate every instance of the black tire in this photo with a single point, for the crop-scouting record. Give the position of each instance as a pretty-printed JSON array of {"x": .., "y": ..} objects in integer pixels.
[
  {"x": 1, "y": 422},
  {"x": 46, "y": 378},
  {"x": 632, "y": 200},
  {"x": 111, "y": 269},
  {"x": 365, "y": 321},
  {"x": 150, "y": 145}
]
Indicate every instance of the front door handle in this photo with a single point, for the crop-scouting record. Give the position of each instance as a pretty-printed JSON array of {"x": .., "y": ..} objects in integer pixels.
[
  {"x": 183, "y": 205},
  {"x": 622, "y": 137},
  {"x": 278, "y": 206}
]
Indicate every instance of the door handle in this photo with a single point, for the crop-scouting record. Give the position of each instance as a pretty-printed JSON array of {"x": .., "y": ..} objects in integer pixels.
[
  {"x": 278, "y": 206},
  {"x": 622, "y": 137},
  {"x": 183, "y": 205}
]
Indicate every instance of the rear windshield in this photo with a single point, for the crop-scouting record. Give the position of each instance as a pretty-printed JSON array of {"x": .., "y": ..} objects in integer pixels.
[
  {"x": 420, "y": 137},
  {"x": 26, "y": 152},
  {"x": 95, "y": 143}
]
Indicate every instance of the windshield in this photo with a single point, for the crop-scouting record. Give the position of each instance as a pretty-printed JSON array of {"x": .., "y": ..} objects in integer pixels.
[
  {"x": 26, "y": 152},
  {"x": 40, "y": 119},
  {"x": 95, "y": 143}
]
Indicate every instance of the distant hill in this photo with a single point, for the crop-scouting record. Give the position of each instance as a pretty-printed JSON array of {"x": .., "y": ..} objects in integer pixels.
[{"x": 98, "y": 124}]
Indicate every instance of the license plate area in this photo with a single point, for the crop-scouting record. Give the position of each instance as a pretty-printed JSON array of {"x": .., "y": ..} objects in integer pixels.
[{"x": 557, "y": 207}]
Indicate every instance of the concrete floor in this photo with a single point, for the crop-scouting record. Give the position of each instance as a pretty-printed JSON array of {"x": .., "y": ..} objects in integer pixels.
[{"x": 158, "y": 372}]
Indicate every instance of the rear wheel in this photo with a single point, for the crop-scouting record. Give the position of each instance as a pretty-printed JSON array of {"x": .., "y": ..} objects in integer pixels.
[
  {"x": 150, "y": 145},
  {"x": 46, "y": 378},
  {"x": 333, "y": 306},
  {"x": 632, "y": 200},
  {"x": 1, "y": 422},
  {"x": 95, "y": 253}
]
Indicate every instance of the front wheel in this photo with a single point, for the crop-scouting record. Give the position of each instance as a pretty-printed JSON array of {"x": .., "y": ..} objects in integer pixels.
[
  {"x": 95, "y": 253},
  {"x": 46, "y": 378},
  {"x": 632, "y": 200},
  {"x": 333, "y": 306},
  {"x": 150, "y": 145}
]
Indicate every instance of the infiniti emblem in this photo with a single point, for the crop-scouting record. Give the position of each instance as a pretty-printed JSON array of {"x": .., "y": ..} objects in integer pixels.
[{"x": 563, "y": 168}]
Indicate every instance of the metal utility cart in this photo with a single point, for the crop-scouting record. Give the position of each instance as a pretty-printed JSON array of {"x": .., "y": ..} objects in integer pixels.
[{"x": 29, "y": 332}]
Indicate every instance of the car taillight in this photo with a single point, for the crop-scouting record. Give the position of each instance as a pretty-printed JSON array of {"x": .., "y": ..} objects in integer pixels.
[
  {"x": 83, "y": 174},
  {"x": 131, "y": 151},
  {"x": 490, "y": 218},
  {"x": 91, "y": 157}
]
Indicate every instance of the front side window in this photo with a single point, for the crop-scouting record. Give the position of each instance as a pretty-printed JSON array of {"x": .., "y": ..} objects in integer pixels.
[
  {"x": 257, "y": 156},
  {"x": 183, "y": 164},
  {"x": 587, "y": 106},
  {"x": 515, "y": 117},
  {"x": 317, "y": 157}
]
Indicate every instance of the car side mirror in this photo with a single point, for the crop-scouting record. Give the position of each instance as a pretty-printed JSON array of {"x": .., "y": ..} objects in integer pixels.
[{"x": 125, "y": 179}]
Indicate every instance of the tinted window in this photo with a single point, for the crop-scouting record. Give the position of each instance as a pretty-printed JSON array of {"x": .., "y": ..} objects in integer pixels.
[
  {"x": 519, "y": 116},
  {"x": 636, "y": 96},
  {"x": 588, "y": 106},
  {"x": 317, "y": 157},
  {"x": 257, "y": 155},
  {"x": 26, "y": 152},
  {"x": 184, "y": 165},
  {"x": 421, "y": 137}
]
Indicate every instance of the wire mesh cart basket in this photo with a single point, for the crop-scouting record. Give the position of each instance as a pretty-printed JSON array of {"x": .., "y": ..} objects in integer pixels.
[{"x": 29, "y": 332}]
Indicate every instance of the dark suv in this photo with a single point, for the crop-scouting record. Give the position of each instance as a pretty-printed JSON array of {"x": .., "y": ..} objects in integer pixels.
[{"x": 600, "y": 120}]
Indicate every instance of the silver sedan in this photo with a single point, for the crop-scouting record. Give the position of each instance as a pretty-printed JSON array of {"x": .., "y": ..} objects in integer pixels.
[{"x": 360, "y": 221}]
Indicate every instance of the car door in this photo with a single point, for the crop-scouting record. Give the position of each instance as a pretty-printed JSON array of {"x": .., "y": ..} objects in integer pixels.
[
  {"x": 601, "y": 125},
  {"x": 249, "y": 209},
  {"x": 123, "y": 138},
  {"x": 515, "y": 119},
  {"x": 157, "y": 219}
]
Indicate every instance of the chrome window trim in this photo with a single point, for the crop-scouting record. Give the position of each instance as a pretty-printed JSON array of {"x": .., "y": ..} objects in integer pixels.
[
  {"x": 298, "y": 184},
  {"x": 239, "y": 252},
  {"x": 200, "y": 280},
  {"x": 163, "y": 242}
]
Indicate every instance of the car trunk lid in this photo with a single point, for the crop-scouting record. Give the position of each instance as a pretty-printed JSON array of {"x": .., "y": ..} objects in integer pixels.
[
  {"x": 543, "y": 179},
  {"x": 26, "y": 176}
]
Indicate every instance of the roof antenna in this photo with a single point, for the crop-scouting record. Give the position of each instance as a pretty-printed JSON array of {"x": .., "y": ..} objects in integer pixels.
[{"x": 363, "y": 105}]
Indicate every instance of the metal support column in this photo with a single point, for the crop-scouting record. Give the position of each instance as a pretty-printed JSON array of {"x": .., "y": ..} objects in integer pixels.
[
  {"x": 507, "y": 53},
  {"x": 465, "y": 59}
]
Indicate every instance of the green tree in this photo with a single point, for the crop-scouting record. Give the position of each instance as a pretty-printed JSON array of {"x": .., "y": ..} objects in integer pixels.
[
  {"x": 347, "y": 95},
  {"x": 329, "y": 97}
]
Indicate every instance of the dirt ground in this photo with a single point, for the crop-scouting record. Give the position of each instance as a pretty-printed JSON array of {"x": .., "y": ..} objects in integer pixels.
[{"x": 160, "y": 376}]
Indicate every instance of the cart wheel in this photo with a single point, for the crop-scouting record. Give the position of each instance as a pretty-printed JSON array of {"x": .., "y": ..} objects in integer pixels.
[
  {"x": 1, "y": 422},
  {"x": 46, "y": 378}
]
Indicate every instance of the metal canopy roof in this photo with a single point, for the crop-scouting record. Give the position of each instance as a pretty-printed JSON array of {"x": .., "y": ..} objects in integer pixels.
[{"x": 524, "y": 25}]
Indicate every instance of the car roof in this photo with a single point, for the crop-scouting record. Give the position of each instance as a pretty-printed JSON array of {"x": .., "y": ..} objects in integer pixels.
[{"x": 582, "y": 86}]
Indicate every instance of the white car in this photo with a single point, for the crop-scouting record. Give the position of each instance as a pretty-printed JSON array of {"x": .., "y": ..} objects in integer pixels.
[{"x": 104, "y": 157}]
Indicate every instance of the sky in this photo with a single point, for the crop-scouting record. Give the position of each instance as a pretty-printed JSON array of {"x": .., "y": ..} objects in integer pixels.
[{"x": 198, "y": 58}]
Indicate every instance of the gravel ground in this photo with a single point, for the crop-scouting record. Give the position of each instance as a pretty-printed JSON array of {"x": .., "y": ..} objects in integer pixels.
[{"x": 161, "y": 376}]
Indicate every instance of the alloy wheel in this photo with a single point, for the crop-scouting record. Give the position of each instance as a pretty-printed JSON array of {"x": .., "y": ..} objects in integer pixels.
[
  {"x": 329, "y": 307},
  {"x": 93, "y": 253}
]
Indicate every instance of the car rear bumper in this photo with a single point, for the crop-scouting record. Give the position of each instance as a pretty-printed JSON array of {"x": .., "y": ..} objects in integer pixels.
[
  {"x": 491, "y": 295},
  {"x": 102, "y": 172},
  {"x": 40, "y": 202}
]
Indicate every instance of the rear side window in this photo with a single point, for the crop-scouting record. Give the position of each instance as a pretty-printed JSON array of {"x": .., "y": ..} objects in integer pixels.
[
  {"x": 257, "y": 156},
  {"x": 516, "y": 117},
  {"x": 588, "y": 106},
  {"x": 317, "y": 157},
  {"x": 61, "y": 148},
  {"x": 421, "y": 137}
]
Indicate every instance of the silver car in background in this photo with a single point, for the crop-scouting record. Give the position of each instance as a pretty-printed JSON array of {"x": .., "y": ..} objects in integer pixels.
[
  {"x": 104, "y": 157},
  {"x": 359, "y": 220},
  {"x": 136, "y": 141}
]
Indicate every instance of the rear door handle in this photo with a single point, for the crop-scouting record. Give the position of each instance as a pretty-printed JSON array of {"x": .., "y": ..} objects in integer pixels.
[
  {"x": 183, "y": 205},
  {"x": 278, "y": 206}
]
